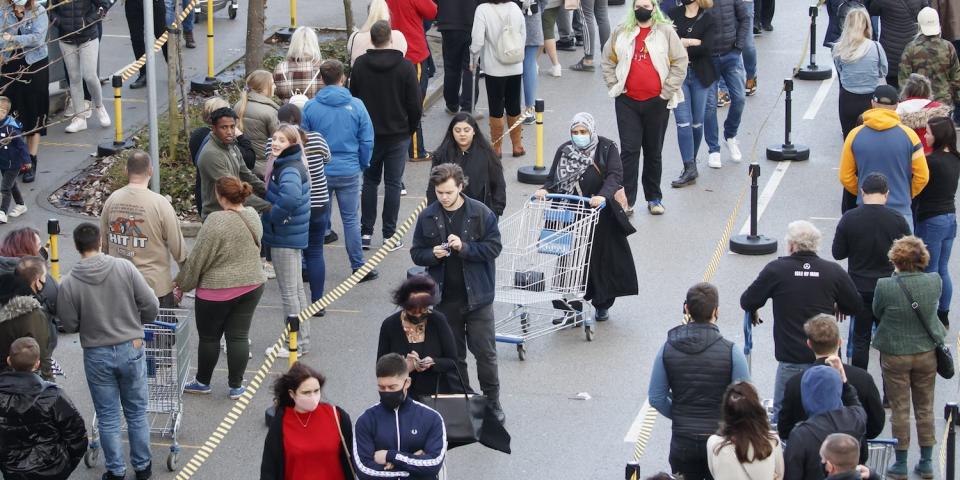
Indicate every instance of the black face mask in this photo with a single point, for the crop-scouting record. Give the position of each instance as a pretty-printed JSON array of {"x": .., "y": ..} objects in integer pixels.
[
  {"x": 392, "y": 400},
  {"x": 643, "y": 14},
  {"x": 687, "y": 2}
]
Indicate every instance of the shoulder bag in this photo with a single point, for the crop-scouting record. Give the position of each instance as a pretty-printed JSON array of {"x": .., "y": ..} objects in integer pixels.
[
  {"x": 462, "y": 413},
  {"x": 343, "y": 441},
  {"x": 945, "y": 366}
]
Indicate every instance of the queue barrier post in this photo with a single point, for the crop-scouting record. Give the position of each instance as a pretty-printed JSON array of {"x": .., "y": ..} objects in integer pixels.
[
  {"x": 951, "y": 413},
  {"x": 285, "y": 34},
  {"x": 53, "y": 233},
  {"x": 208, "y": 84},
  {"x": 753, "y": 243},
  {"x": 788, "y": 150},
  {"x": 537, "y": 174},
  {"x": 813, "y": 71},
  {"x": 293, "y": 327},
  {"x": 118, "y": 144}
]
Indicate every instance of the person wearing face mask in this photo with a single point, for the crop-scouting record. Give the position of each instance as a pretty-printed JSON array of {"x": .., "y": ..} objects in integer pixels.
[
  {"x": 421, "y": 335},
  {"x": 398, "y": 437},
  {"x": 588, "y": 165},
  {"x": 308, "y": 438},
  {"x": 465, "y": 145},
  {"x": 21, "y": 314},
  {"x": 644, "y": 65}
]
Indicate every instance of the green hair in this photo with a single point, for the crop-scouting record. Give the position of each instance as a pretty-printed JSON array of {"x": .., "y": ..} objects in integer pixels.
[{"x": 630, "y": 21}]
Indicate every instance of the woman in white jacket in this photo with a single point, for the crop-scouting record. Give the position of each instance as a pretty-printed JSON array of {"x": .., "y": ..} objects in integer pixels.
[
  {"x": 744, "y": 448},
  {"x": 503, "y": 69},
  {"x": 644, "y": 65}
]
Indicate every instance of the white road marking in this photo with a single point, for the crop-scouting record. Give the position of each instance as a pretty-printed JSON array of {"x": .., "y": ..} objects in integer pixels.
[
  {"x": 819, "y": 98},
  {"x": 634, "y": 431},
  {"x": 825, "y": 219},
  {"x": 767, "y": 193}
]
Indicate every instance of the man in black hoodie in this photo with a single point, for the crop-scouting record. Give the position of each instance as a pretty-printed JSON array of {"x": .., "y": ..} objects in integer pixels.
[
  {"x": 42, "y": 435},
  {"x": 823, "y": 337},
  {"x": 801, "y": 285},
  {"x": 388, "y": 86}
]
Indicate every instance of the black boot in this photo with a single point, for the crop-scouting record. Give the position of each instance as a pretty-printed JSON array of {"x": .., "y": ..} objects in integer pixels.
[
  {"x": 688, "y": 177},
  {"x": 493, "y": 402},
  {"x": 30, "y": 175},
  {"x": 944, "y": 316}
]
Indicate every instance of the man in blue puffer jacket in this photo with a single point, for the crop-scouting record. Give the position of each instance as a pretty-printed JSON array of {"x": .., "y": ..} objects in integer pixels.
[
  {"x": 287, "y": 223},
  {"x": 345, "y": 124},
  {"x": 398, "y": 437}
]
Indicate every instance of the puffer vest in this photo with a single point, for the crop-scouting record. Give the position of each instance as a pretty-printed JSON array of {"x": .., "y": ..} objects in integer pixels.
[{"x": 699, "y": 366}]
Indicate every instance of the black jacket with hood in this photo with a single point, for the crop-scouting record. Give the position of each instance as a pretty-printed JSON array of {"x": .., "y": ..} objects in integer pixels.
[
  {"x": 484, "y": 172},
  {"x": 22, "y": 315},
  {"x": 76, "y": 20},
  {"x": 388, "y": 86},
  {"x": 801, "y": 458},
  {"x": 899, "y": 20},
  {"x": 42, "y": 435},
  {"x": 732, "y": 26},
  {"x": 699, "y": 368}
]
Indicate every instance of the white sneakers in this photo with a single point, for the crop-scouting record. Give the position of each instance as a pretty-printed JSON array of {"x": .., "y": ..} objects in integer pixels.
[
  {"x": 713, "y": 161},
  {"x": 17, "y": 210},
  {"x": 3, "y": 217},
  {"x": 103, "y": 117},
  {"x": 555, "y": 71},
  {"x": 78, "y": 124},
  {"x": 734, "y": 146}
]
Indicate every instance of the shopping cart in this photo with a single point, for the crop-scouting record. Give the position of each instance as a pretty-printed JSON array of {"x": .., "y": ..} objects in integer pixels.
[
  {"x": 543, "y": 266},
  {"x": 881, "y": 453},
  {"x": 165, "y": 346}
]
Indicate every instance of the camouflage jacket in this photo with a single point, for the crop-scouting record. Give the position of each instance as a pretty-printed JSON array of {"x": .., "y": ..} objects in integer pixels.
[{"x": 935, "y": 59}]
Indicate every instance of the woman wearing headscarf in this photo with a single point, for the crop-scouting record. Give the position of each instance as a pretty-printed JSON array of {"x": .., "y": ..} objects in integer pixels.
[{"x": 588, "y": 165}]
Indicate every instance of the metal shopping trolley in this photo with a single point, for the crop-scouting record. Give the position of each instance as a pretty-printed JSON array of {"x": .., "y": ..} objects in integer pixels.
[
  {"x": 165, "y": 346},
  {"x": 543, "y": 266},
  {"x": 881, "y": 453}
]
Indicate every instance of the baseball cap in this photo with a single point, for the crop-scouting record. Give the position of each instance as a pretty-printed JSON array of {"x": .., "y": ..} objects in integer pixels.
[
  {"x": 929, "y": 21},
  {"x": 886, "y": 95}
]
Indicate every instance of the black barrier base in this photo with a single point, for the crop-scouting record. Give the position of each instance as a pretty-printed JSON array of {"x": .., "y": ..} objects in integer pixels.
[
  {"x": 285, "y": 34},
  {"x": 752, "y": 245},
  {"x": 113, "y": 148},
  {"x": 205, "y": 85},
  {"x": 814, "y": 72},
  {"x": 532, "y": 176},
  {"x": 268, "y": 415},
  {"x": 794, "y": 151}
]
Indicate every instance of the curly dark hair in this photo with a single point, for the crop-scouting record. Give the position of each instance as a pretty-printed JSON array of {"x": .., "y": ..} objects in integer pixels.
[
  {"x": 298, "y": 373},
  {"x": 403, "y": 296}
]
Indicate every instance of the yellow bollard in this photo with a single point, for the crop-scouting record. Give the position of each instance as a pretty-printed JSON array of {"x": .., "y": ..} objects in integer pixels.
[
  {"x": 293, "y": 14},
  {"x": 210, "y": 39},
  {"x": 294, "y": 322},
  {"x": 537, "y": 174},
  {"x": 53, "y": 230},
  {"x": 117, "y": 83}
]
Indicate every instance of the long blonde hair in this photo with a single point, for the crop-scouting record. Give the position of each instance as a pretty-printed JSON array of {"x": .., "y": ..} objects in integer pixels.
[
  {"x": 259, "y": 81},
  {"x": 857, "y": 34},
  {"x": 304, "y": 46},
  {"x": 378, "y": 10},
  {"x": 294, "y": 134}
]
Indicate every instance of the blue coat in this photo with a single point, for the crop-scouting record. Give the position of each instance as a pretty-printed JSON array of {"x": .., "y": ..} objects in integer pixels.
[
  {"x": 410, "y": 428},
  {"x": 14, "y": 153},
  {"x": 345, "y": 124},
  {"x": 29, "y": 34},
  {"x": 287, "y": 223}
]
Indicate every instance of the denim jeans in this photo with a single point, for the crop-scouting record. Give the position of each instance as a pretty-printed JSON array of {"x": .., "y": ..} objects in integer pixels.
[
  {"x": 785, "y": 371},
  {"x": 750, "y": 49},
  {"x": 347, "y": 192},
  {"x": 729, "y": 66},
  {"x": 388, "y": 161},
  {"x": 117, "y": 379},
  {"x": 316, "y": 265},
  {"x": 688, "y": 457},
  {"x": 287, "y": 264},
  {"x": 938, "y": 233},
  {"x": 689, "y": 117},
  {"x": 530, "y": 75},
  {"x": 187, "y": 25}
]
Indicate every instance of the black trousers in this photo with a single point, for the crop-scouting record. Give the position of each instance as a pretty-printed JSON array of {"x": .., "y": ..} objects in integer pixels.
[
  {"x": 863, "y": 325},
  {"x": 457, "y": 77},
  {"x": 503, "y": 93},
  {"x": 851, "y": 106},
  {"x": 642, "y": 126},
  {"x": 134, "y": 12},
  {"x": 688, "y": 457},
  {"x": 893, "y": 79},
  {"x": 417, "y": 148},
  {"x": 475, "y": 331},
  {"x": 763, "y": 11}
]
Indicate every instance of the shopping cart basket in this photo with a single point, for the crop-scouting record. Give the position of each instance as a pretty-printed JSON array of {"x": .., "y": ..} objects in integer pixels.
[
  {"x": 881, "y": 454},
  {"x": 165, "y": 346},
  {"x": 544, "y": 264}
]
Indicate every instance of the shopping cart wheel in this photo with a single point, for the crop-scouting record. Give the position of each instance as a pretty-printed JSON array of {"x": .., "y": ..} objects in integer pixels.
[
  {"x": 172, "y": 460},
  {"x": 521, "y": 352},
  {"x": 92, "y": 457},
  {"x": 589, "y": 332}
]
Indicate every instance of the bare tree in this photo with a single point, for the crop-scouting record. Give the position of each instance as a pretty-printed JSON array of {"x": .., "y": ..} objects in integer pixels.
[
  {"x": 348, "y": 15},
  {"x": 253, "y": 59}
]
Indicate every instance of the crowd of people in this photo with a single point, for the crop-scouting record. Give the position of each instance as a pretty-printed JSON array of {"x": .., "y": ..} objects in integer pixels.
[{"x": 269, "y": 168}]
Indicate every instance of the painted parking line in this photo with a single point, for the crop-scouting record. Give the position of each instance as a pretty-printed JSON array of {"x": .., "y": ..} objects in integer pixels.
[
  {"x": 641, "y": 423},
  {"x": 819, "y": 98},
  {"x": 66, "y": 145}
]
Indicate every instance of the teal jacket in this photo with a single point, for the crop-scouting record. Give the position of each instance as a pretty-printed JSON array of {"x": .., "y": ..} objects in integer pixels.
[{"x": 900, "y": 333}]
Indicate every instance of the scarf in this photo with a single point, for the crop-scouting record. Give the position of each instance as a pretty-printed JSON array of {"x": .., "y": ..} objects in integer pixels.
[{"x": 574, "y": 161}]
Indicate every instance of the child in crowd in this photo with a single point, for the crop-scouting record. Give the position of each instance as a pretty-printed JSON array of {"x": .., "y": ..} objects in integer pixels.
[{"x": 13, "y": 156}]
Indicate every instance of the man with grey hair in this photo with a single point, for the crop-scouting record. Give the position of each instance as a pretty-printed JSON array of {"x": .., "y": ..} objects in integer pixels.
[{"x": 801, "y": 285}]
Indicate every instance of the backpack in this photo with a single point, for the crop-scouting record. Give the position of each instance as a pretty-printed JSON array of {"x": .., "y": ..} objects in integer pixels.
[
  {"x": 300, "y": 98},
  {"x": 510, "y": 44}
]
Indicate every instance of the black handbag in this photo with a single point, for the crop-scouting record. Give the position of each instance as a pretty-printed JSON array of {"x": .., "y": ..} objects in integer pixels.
[
  {"x": 529, "y": 280},
  {"x": 462, "y": 413},
  {"x": 945, "y": 367}
]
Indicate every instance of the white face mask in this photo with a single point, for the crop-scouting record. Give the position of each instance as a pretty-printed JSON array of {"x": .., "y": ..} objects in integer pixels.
[
  {"x": 306, "y": 402},
  {"x": 580, "y": 141}
]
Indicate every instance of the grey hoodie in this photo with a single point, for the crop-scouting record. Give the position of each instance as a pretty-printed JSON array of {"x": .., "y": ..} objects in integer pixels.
[{"x": 107, "y": 300}]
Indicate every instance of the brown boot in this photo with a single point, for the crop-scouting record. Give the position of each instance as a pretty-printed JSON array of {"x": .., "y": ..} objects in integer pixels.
[
  {"x": 516, "y": 135},
  {"x": 496, "y": 131},
  {"x": 188, "y": 40}
]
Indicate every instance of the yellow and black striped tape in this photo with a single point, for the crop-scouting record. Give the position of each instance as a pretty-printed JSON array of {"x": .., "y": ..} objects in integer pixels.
[{"x": 129, "y": 70}]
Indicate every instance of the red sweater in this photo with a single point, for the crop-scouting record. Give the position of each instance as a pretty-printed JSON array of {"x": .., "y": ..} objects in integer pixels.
[
  {"x": 311, "y": 452},
  {"x": 408, "y": 16}
]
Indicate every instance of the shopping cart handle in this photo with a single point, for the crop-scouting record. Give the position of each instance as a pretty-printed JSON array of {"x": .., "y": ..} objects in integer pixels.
[
  {"x": 169, "y": 326},
  {"x": 882, "y": 441},
  {"x": 560, "y": 196}
]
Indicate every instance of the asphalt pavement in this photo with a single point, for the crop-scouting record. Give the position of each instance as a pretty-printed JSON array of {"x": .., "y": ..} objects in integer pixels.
[{"x": 555, "y": 435}]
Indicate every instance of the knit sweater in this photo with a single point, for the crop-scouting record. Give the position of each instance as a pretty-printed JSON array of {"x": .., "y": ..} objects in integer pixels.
[
  {"x": 227, "y": 252},
  {"x": 900, "y": 332}
]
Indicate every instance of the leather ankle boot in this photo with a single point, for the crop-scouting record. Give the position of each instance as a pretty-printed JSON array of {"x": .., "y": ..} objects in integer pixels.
[
  {"x": 188, "y": 40},
  {"x": 496, "y": 131},
  {"x": 516, "y": 135},
  {"x": 688, "y": 177}
]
